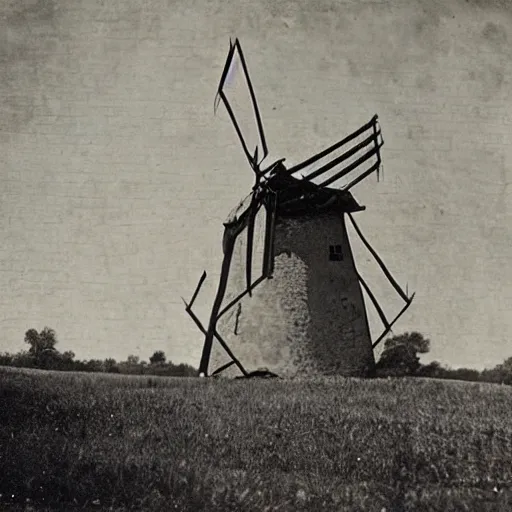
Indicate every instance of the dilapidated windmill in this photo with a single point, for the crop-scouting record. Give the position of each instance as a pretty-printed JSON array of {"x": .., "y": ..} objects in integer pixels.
[{"x": 290, "y": 299}]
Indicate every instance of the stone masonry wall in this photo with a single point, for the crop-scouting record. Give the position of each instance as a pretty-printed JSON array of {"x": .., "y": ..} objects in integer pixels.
[{"x": 310, "y": 318}]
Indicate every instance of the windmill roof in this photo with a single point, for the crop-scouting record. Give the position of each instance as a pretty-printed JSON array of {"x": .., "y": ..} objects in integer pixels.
[
  {"x": 297, "y": 197},
  {"x": 302, "y": 197}
]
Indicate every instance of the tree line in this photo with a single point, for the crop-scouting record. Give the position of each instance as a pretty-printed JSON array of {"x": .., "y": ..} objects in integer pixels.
[
  {"x": 43, "y": 354},
  {"x": 400, "y": 358}
]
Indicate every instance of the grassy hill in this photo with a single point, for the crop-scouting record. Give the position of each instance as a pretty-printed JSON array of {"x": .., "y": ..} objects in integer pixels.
[{"x": 106, "y": 442}]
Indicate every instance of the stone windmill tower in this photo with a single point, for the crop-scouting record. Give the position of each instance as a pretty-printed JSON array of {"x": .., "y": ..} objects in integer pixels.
[{"x": 289, "y": 298}]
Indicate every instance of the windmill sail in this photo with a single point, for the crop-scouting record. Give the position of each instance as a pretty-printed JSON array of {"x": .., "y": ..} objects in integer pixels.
[
  {"x": 348, "y": 161},
  {"x": 391, "y": 280},
  {"x": 237, "y": 93}
]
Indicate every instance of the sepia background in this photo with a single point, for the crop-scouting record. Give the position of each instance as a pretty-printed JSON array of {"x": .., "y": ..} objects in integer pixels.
[{"x": 115, "y": 175}]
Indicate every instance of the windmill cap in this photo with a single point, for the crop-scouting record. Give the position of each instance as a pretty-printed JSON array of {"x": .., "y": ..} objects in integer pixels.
[{"x": 297, "y": 197}]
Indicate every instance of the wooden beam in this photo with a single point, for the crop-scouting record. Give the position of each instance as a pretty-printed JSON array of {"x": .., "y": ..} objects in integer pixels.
[
  {"x": 395, "y": 285},
  {"x": 268, "y": 232},
  {"x": 226, "y": 263},
  {"x": 374, "y": 300},
  {"x": 216, "y": 335},
  {"x": 273, "y": 215},
  {"x": 332, "y": 148},
  {"x": 254, "y": 209},
  {"x": 223, "y": 367},
  {"x": 404, "y": 309},
  {"x": 341, "y": 158},
  {"x": 253, "y": 99},
  {"x": 198, "y": 287},
  {"x": 361, "y": 177},
  {"x": 240, "y": 296},
  {"x": 196, "y": 320},
  {"x": 351, "y": 167},
  {"x": 230, "y": 353}
]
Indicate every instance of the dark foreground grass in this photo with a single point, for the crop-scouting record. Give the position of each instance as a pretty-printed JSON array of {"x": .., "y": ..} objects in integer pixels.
[{"x": 100, "y": 442}]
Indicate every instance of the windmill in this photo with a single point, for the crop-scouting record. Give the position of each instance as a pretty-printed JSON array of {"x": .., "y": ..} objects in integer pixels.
[{"x": 289, "y": 298}]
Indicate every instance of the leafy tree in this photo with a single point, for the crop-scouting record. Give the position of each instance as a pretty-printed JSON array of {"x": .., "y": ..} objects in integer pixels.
[
  {"x": 501, "y": 373},
  {"x": 184, "y": 370},
  {"x": 110, "y": 365},
  {"x": 433, "y": 369},
  {"x": 94, "y": 365},
  {"x": 507, "y": 365},
  {"x": 42, "y": 352},
  {"x": 32, "y": 338},
  {"x": 69, "y": 355},
  {"x": 41, "y": 342},
  {"x": 157, "y": 357},
  {"x": 6, "y": 359},
  {"x": 400, "y": 354},
  {"x": 133, "y": 360}
]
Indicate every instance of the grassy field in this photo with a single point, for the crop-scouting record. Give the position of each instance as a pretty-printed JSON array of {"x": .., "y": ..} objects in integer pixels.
[{"x": 106, "y": 442}]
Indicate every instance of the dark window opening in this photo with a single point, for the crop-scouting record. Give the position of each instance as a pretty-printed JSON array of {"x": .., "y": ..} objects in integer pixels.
[{"x": 335, "y": 253}]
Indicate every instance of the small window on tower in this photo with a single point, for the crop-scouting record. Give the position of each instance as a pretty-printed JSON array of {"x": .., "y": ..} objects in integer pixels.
[{"x": 335, "y": 253}]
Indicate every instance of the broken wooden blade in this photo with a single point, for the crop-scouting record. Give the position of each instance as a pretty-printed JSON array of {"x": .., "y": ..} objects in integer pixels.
[
  {"x": 204, "y": 365},
  {"x": 323, "y": 158},
  {"x": 345, "y": 156},
  {"x": 222, "y": 368},
  {"x": 229, "y": 242},
  {"x": 240, "y": 296},
  {"x": 253, "y": 98},
  {"x": 198, "y": 287},
  {"x": 361, "y": 177},
  {"x": 383, "y": 267},
  {"x": 250, "y": 241},
  {"x": 230, "y": 353},
  {"x": 237, "y": 129},
  {"x": 227, "y": 80},
  {"x": 374, "y": 152},
  {"x": 388, "y": 329},
  {"x": 270, "y": 227},
  {"x": 376, "y": 304}
]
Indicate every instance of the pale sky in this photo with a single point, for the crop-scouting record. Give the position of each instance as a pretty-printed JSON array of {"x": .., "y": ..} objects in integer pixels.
[{"x": 116, "y": 176}]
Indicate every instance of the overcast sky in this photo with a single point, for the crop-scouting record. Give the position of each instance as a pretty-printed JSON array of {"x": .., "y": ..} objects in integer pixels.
[{"x": 116, "y": 176}]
